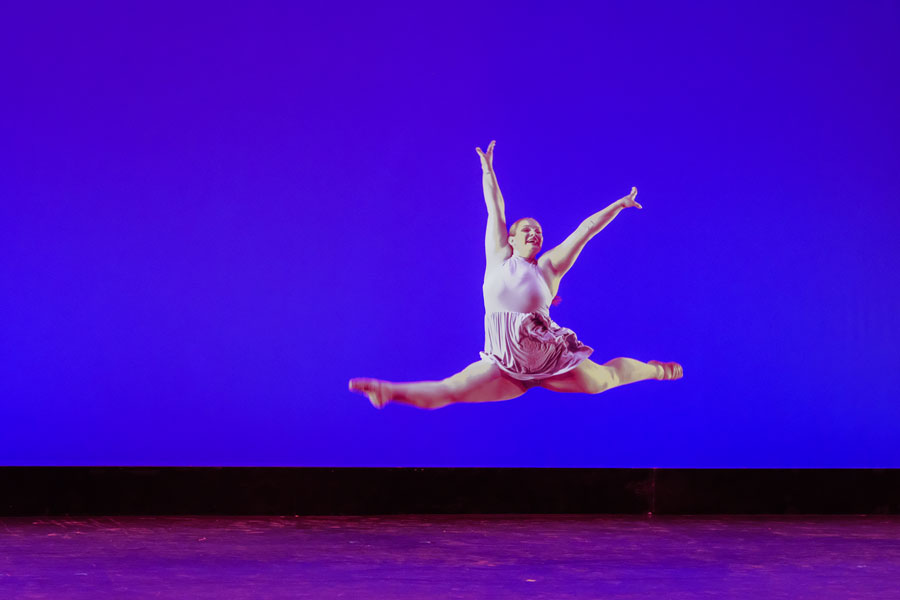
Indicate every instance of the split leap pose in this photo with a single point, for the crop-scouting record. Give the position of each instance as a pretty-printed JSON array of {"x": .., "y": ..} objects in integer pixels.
[{"x": 523, "y": 347}]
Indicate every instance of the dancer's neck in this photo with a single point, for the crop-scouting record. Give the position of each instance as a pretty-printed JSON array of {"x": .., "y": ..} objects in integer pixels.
[{"x": 520, "y": 257}]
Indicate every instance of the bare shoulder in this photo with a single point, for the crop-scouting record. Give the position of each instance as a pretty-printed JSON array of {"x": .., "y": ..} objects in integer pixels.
[
  {"x": 497, "y": 258},
  {"x": 550, "y": 275},
  {"x": 545, "y": 264}
]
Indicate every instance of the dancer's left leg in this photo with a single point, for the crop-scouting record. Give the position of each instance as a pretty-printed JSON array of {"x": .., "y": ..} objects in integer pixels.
[{"x": 592, "y": 378}]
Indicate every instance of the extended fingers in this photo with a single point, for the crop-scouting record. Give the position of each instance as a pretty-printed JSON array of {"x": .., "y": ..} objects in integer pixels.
[{"x": 490, "y": 149}]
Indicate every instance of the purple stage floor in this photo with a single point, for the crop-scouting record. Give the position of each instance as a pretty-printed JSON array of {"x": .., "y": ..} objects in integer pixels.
[{"x": 450, "y": 557}]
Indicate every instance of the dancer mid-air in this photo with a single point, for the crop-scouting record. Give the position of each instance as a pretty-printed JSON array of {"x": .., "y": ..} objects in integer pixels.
[{"x": 523, "y": 347}]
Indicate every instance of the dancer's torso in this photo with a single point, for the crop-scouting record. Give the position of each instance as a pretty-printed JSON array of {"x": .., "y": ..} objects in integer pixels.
[{"x": 516, "y": 285}]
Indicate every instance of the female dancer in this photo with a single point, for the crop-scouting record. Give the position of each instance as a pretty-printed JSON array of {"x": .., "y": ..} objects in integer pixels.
[{"x": 523, "y": 347}]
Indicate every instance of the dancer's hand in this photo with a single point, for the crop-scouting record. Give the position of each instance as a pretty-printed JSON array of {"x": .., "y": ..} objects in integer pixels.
[
  {"x": 487, "y": 158},
  {"x": 629, "y": 201}
]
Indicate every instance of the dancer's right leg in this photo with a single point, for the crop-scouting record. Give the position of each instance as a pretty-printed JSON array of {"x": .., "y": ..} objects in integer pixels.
[{"x": 482, "y": 381}]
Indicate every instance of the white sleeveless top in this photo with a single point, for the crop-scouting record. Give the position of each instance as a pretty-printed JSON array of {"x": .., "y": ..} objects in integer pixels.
[{"x": 516, "y": 285}]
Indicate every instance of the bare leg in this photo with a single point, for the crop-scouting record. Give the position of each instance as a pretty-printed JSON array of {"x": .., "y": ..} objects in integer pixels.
[
  {"x": 482, "y": 381},
  {"x": 591, "y": 378}
]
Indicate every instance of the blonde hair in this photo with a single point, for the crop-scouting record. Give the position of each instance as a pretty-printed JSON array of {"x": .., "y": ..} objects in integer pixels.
[{"x": 514, "y": 228}]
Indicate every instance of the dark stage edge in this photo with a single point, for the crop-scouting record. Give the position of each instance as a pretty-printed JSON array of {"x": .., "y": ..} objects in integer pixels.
[{"x": 387, "y": 491}]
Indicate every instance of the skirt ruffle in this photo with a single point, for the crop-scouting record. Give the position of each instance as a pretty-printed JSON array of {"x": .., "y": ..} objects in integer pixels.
[{"x": 530, "y": 345}]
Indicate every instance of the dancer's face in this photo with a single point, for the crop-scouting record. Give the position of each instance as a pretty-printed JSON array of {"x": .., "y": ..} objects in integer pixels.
[{"x": 526, "y": 238}]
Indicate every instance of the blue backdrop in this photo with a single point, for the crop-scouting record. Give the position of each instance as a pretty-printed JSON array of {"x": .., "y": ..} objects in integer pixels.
[{"x": 213, "y": 217}]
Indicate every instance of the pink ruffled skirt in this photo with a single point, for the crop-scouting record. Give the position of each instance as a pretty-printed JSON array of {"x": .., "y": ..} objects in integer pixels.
[{"x": 530, "y": 346}]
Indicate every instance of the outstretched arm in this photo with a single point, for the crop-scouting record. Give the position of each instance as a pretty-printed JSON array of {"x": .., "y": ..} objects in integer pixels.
[
  {"x": 561, "y": 258},
  {"x": 496, "y": 248}
]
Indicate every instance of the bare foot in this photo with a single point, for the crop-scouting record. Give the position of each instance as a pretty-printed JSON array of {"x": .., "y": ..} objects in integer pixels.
[
  {"x": 668, "y": 370},
  {"x": 376, "y": 390}
]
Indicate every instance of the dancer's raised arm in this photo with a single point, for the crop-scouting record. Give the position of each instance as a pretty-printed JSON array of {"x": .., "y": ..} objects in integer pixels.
[
  {"x": 496, "y": 246},
  {"x": 559, "y": 260}
]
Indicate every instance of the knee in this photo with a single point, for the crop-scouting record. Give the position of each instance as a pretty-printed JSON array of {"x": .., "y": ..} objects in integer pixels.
[
  {"x": 446, "y": 393},
  {"x": 601, "y": 379},
  {"x": 453, "y": 393}
]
